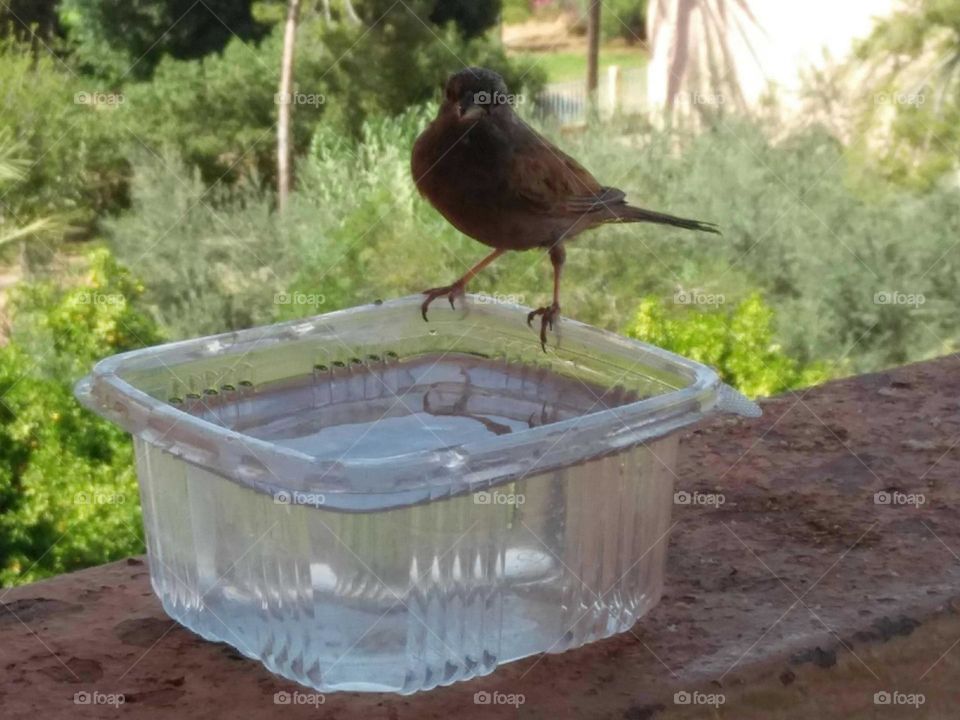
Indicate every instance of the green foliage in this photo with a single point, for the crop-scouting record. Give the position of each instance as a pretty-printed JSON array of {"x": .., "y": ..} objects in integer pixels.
[
  {"x": 212, "y": 257},
  {"x": 117, "y": 38},
  {"x": 68, "y": 492},
  {"x": 220, "y": 111},
  {"x": 565, "y": 65},
  {"x": 824, "y": 258},
  {"x": 915, "y": 92},
  {"x": 739, "y": 342},
  {"x": 412, "y": 60},
  {"x": 516, "y": 11},
  {"x": 625, "y": 19},
  {"x": 12, "y": 171},
  {"x": 75, "y": 144},
  {"x": 171, "y": 155},
  {"x": 472, "y": 17},
  {"x": 70, "y": 329},
  {"x": 23, "y": 19}
]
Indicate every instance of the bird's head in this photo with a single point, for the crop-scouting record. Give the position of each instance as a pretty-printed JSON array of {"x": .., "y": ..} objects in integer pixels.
[{"x": 474, "y": 93}]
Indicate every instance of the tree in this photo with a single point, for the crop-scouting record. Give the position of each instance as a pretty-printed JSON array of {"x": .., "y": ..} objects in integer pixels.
[
  {"x": 129, "y": 37},
  {"x": 626, "y": 19},
  {"x": 593, "y": 46},
  {"x": 23, "y": 18},
  {"x": 412, "y": 60},
  {"x": 472, "y": 17},
  {"x": 12, "y": 170},
  {"x": 914, "y": 90},
  {"x": 285, "y": 98},
  {"x": 68, "y": 489}
]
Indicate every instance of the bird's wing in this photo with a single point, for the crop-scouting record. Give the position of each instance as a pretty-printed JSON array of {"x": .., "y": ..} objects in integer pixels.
[{"x": 546, "y": 179}]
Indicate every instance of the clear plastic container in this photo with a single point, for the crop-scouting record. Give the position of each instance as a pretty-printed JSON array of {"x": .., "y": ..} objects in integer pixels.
[{"x": 364, "y": 501}]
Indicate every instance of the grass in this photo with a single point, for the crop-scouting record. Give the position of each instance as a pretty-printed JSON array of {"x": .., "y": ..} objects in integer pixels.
[
  {"x": 564, "y": 65},
  {"x": 516, "y": 11}
]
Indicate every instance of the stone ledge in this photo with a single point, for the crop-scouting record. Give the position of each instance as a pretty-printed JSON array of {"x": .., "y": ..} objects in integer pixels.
[{"x": 798, "y": 596}]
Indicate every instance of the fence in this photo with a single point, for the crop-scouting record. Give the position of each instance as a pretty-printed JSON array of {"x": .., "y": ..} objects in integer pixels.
[{"x": 620, "y": 91}]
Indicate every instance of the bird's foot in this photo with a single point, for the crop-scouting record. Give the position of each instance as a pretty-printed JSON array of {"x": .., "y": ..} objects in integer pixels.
[
  {"x": 548, "y": 316},
  {"x": 451, "y": 291}
]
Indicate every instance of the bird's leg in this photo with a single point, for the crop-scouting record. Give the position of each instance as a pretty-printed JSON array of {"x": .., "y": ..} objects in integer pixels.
[
  {"x": 460, "y": 286},
  {"x": 550, "y": 314}
]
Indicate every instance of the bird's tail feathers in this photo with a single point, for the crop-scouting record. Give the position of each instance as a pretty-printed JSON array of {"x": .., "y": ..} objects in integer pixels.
[{"x": 630, "y": 213}]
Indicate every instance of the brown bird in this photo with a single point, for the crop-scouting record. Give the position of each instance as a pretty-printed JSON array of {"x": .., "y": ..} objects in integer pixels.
[{"x": 498, "y": 181}]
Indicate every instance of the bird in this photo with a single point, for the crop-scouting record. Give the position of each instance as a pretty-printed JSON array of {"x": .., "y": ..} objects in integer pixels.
[{"x": 501, "y": 183}]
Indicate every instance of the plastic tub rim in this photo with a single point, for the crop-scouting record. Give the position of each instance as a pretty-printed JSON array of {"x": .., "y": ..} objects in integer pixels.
[{"x": 351, "y": 484}]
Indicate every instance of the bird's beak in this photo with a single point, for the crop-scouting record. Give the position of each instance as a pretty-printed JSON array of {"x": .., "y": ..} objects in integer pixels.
[{"x": 469, "y": 112}]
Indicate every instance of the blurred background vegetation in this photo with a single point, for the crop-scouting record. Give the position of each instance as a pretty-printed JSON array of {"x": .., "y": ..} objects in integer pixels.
[{"x": 137, "y": 185}]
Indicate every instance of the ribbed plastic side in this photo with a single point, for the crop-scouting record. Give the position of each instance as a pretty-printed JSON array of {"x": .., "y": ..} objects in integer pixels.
[{"x": 410, "y": 598}]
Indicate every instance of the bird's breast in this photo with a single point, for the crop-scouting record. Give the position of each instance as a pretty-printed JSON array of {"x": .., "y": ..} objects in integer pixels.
[
  {"x": 461, "y": 176},
  {"x": 465, "y": 175}
]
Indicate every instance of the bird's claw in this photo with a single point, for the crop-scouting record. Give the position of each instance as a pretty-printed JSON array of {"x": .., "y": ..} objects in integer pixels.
[
  {"x": 548, "y": 316},
  {"x": 451, "y": 291}
]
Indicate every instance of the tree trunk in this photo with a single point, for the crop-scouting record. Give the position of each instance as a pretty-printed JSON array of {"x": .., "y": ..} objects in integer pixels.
[
  {"x": 351, "y": 13},
  {"x": 285, "y": 100},
  {"x": 593, "y": 47}
]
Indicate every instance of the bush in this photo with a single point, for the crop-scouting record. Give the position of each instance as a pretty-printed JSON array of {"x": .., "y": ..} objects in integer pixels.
[
  {"x": 911, "y": 102},
  {"x": 835, "y": 266},
  {"x": 625, "y": 19},
  {"x": 412, "y": 59},
  {"x": 25, "y": 18},
  {"x": 738, "y": 342},
  {"x": 471, "y": 17},
  {"x": 219, "y": 112},
  {"x": 825, "y": 259},
  {"x": 116, "y": 38},
  {"x": 213, "y": 258},
  {"x": 354, "y": 231},
  {"x": 516, "y": 11},
  {"x": 68, "y": 492},
  {"x": 76, "y": 146}
]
